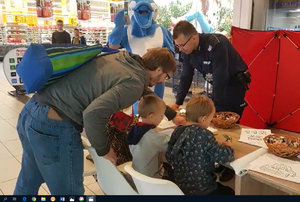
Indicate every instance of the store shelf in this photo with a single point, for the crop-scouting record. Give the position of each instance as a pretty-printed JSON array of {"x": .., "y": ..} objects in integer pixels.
[
  {"x": 16, "y": 33},
  {"x": 2, "y": 34},
  {"x": 16, "y": 25},
  {"x": 95, "y": 35},
  {"x": 15, "y": 30},
  {"x": 95, "y": 30}
]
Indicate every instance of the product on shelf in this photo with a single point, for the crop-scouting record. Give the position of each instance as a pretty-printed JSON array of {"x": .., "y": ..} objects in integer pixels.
[
  {"x": 16, "y": 33},
  {"x": 114, "y": 8},
  {"x": 83, "y": 10},
  {"x": 44, "y": 8}
]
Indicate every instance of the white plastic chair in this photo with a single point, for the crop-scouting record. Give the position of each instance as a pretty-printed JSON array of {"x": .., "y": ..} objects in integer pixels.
[
  {"x": 152, "y": 186},
  {"x": 110, "y": 179}
]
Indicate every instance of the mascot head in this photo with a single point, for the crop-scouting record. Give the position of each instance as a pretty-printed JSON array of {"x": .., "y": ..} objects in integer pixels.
[{"x": 143, "y": 12}]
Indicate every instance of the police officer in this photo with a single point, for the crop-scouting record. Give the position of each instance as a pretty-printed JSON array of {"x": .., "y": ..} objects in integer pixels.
[{"x": 221, "y": 65}]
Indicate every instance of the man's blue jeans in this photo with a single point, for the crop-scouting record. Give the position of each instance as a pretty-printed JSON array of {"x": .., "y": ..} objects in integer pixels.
[{"x": 52, "y": 153}]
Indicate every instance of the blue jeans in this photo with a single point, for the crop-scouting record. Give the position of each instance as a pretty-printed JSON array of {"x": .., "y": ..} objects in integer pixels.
[
  {"x": 159, "y": 90},
  {"x": 52, "y": 153}
]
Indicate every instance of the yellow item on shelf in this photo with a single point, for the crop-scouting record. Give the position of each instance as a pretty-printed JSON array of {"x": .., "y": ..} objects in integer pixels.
[{"x": 72, "y": 21}]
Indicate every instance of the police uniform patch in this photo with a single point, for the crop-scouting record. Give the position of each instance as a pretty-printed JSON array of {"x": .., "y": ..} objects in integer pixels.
[
  {"x": 209, "y": 77},
  {"x": 209, "y": 48}
]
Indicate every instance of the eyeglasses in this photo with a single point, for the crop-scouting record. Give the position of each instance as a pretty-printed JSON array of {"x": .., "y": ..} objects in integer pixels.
[
  {"x": 168, "y": 76},
  {"x": 183, "y": 45}
]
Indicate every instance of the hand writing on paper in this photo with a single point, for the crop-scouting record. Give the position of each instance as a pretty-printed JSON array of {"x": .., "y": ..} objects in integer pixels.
[
  {"x": 179, "y": 120},
  {"x": 175, "y": 107}
]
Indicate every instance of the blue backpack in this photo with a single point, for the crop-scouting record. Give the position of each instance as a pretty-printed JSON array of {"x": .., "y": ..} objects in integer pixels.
[{"x": 43, "y": 64}]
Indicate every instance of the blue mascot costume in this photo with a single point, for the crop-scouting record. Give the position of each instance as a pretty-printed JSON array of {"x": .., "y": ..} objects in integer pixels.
[{"x": 142, "y": 33}]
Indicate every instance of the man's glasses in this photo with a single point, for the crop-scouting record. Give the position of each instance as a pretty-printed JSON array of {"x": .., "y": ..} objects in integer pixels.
[
  {"x": 168, "y": 76},
  {"x": 183, "y": 45}
]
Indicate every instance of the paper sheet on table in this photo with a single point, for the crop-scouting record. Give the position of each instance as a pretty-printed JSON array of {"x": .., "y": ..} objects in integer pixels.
[
  {"x": 277, "y": 167},
  {"x": 254, "y": 136},
  {"x": 211, "y": 129},
  {"x": 166, "y": 124},
  {"x": 241, "y": 165}
]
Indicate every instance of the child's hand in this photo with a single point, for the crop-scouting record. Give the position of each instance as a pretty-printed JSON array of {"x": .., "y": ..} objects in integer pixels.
[
  {"x": 175, "y": 107},
  {"x": 179, "y": 120}
]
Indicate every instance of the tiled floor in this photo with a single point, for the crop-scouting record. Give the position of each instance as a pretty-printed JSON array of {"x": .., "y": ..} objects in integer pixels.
[{"x": 11, "y": 149}]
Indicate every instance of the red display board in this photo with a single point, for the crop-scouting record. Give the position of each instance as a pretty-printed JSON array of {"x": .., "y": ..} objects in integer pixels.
[{"x": 273, "y": 58}]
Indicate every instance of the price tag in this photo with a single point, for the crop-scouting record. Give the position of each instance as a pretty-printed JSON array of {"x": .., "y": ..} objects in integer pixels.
[
  {"x": 30, "y": 20},
  {"x": 72, "y": 21},
  {"x": 4, "y": 18},
  {"x": 16, "y": 19},
  {"x": 22, "y": 19},
  {"x": 47, "y": 22}
]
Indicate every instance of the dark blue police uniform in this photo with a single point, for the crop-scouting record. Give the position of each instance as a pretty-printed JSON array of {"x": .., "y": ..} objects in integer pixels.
[{"x": 223, "y": 67}]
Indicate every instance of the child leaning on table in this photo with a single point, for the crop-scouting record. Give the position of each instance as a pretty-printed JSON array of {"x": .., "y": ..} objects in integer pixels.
[
  {"x": 147, "y": 146},
  {"x": 193, "y": 151}
]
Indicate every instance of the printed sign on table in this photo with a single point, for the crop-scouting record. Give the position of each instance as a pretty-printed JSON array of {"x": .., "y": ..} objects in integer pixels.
[{"x": 254, "y": 136}]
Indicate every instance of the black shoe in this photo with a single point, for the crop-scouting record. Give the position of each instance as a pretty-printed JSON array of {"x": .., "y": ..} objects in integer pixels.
[
  {"x": 168, "y": 172},
  {"x": 219, "y": 168},
  {"x": 226, "y": 174}
]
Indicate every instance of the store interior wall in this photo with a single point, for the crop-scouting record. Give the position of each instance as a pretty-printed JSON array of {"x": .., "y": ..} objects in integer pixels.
[
  {"x": 276, "y": 19},
  {"x": 256, "y": 15},
  {"x": 294, "y": 20},
  {"x": 283, "y": 18},
  {"x": 259, "y": 15},
  {"x": 242, "y": 10}
]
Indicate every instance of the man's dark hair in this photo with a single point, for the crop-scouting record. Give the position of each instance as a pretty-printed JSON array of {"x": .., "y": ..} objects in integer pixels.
[
  {"x": 76, "y": 29},
  {"x": 185, "y": 28},
  {"x": 160, "y": 57},
  {"x": 60, "y": 21}
]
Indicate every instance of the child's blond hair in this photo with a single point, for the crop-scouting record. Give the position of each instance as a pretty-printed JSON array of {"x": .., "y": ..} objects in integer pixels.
[
  {"x": 199, "y": 106},
  {"x": 150, "y": 104}
]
